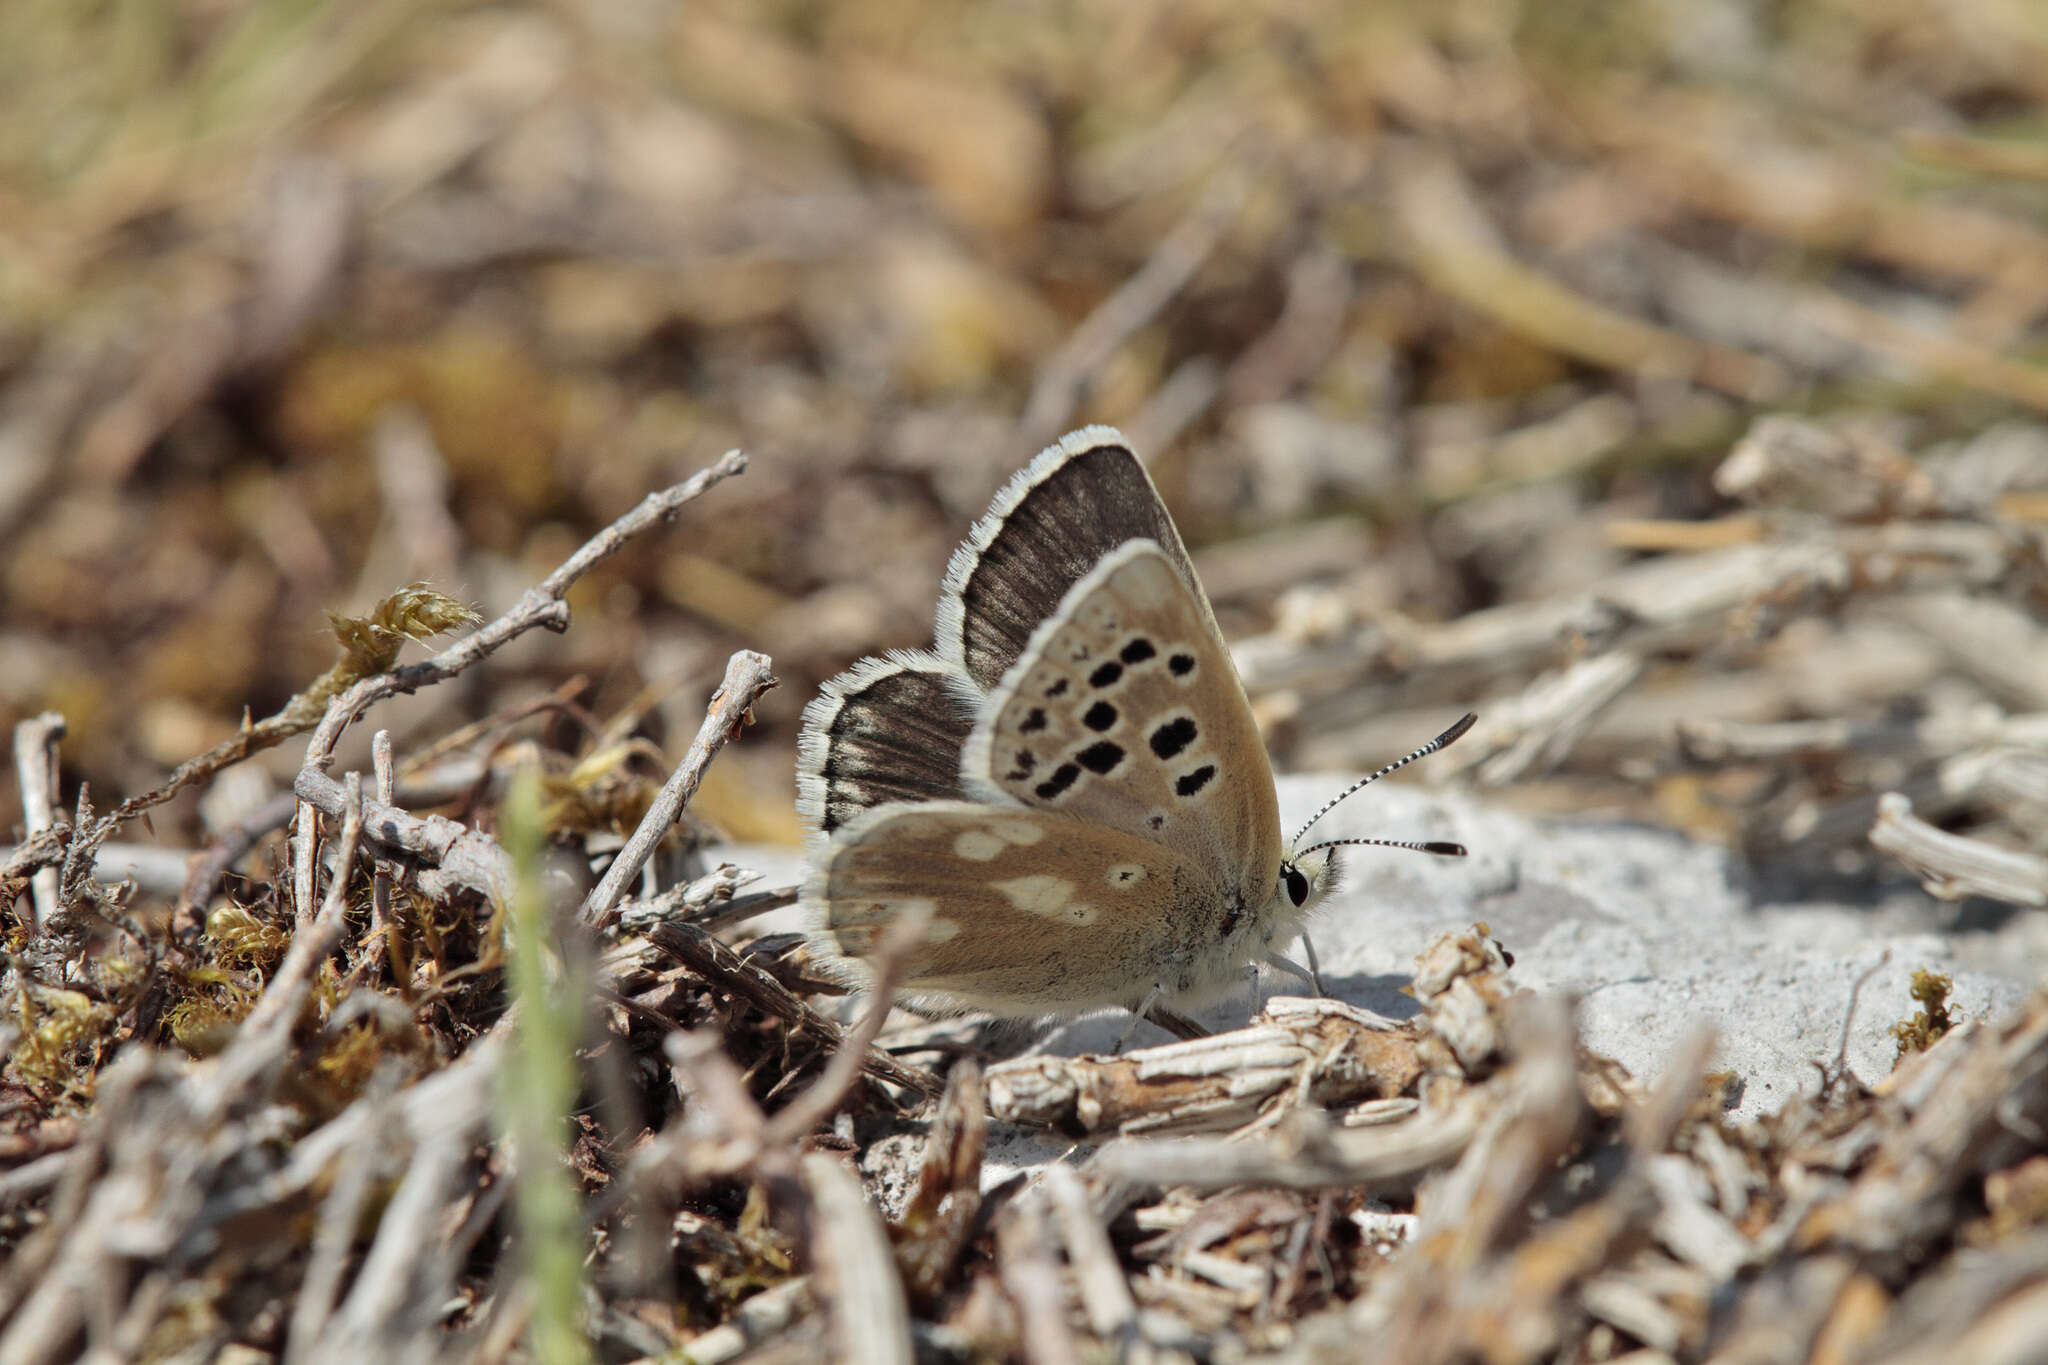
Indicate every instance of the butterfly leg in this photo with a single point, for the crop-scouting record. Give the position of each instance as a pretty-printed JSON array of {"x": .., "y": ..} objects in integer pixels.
[
  {"x": 1138, "y": 1013},
  {"x": 1308, "y": 975},
  {"x": 1315, "y": 970},
  {"x": 1173, "y": 1021}
]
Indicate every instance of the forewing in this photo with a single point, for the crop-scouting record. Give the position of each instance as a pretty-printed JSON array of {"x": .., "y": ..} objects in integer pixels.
[
  {"x": 1058, "y": 518},
  {"x": 1031, "y": 913},
  {"x": 887, "y": 729},
  {"x": 1125, "y": 711}
]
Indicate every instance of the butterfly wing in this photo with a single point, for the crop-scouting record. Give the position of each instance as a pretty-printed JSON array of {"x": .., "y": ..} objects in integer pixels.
[
  {"x": 1124, "y": 710},
  {"x": 887, "y": 729},
  {"x": 1048, "y": 527},
  {"x": 1032, "y": 913}
]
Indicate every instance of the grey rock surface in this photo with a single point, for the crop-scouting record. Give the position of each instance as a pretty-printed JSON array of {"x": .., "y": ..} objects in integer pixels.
[{"x": 1655, "y": 934}]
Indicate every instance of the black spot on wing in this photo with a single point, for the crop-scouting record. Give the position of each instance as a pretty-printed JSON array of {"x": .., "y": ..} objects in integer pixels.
[
  {"x": 1181, "y": 665},
  {"x": 1059, "y": 688},
  {"x": 1032, "y": 722},
  {"x": 1024, "y": 764},
  {"x": 1106, "y": 674},
  {"x": 1099, "y": 717},
  {"x": 1062, "y": 778},
  {"x": 1101, "y": 756},
  {"x": 1174, "y": 736},
  {"x": 1137, "y": 651},
  {"x": 1195, "y": 781}
]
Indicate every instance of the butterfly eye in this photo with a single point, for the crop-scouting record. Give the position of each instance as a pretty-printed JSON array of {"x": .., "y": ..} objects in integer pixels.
[{"x": 1296, "y": 884}]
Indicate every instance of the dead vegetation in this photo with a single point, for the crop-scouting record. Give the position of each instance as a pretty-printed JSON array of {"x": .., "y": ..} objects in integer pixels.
[{"x": 1662, "y": 382}]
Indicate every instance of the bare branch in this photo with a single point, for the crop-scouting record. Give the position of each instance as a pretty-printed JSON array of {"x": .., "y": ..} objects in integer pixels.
[
  {"x": 857, "y": 1267},
  {"x": 35, "y": 767},
  {"x": 726, "y": 970},
  {"x": 544, "y": 604},
  {"x": 747, "y": 676},
  {"x": 1951, "y": 866},
  {"x": 1031, "y": 1277},
  {"x": 457, "y": 857}
]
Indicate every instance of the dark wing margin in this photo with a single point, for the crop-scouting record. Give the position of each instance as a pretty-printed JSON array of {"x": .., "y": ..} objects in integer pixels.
[
  {"x": 887, "y": 729},
  {"x": 1058, "y": 518}
]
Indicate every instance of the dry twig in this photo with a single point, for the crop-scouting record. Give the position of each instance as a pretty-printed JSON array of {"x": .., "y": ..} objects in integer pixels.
[{"x": 747, "y": 676}]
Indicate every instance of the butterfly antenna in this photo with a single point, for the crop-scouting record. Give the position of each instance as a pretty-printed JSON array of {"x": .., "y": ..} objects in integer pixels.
[
  {"x": 1442, "y": 741},
  {"x": 1433, "y": 846}
]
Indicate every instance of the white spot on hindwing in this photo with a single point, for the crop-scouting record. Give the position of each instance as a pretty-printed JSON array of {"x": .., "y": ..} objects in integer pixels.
[
  {"x": 984, "y": 844},
  {"x": 977, "y": 845},
  {"x": 1048, "y": 897},
  {"x": 915, "y": 825}
]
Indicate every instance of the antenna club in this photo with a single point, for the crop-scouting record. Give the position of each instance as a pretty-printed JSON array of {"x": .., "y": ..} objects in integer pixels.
[{"x": 1448, "y": 850}]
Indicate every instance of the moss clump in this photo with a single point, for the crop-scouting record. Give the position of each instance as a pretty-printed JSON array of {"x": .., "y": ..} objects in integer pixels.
[{"x": 1921, "y": 1031}]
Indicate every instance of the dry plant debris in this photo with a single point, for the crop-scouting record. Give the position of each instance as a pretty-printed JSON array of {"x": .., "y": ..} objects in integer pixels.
[{"x": 1662, "y": 382}]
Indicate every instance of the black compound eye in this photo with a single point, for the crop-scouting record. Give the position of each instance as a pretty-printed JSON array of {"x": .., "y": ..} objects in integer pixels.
[{"x": 1296, "y": 884}]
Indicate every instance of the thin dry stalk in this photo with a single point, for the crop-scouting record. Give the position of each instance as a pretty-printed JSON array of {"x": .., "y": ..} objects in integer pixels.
[
  {"x": 856, "y": 1267},
  {"x": 35, "y": 768},
  {"x": 1323, "y": 1049},
  {"x": 852, "y": 1056},
  {"x": 1951, "y": 866},
  {"x": 1031, "y": 1277},
  {"x": 747, "y": 677},
  {"x": 723, "y": 969},
  {"x": 544, "y": 604}
]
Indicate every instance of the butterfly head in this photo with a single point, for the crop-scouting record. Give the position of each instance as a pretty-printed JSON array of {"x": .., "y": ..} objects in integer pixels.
[
  {"x": 1312, "y": 872},
  {"x": 1305, "y": 878}
]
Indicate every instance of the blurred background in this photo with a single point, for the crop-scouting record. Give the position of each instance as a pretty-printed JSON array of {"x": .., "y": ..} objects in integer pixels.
[{"x": 1438, "y": 324}]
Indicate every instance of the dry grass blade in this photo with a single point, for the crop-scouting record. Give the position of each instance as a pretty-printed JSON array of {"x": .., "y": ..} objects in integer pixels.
[{"x": 940, "y": 1219}]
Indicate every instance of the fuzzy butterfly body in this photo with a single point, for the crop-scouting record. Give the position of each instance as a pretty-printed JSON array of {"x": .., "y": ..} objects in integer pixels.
[{"x": 1071, "y": 785}]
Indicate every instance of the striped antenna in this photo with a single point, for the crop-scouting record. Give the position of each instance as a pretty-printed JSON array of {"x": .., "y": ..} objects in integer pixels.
[
  {"x": 1433, "y": 846},
  {"x": 1442, "y": 741}
]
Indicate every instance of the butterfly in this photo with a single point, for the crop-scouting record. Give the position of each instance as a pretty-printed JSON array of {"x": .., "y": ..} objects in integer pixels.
[{"x": 1069, "y": 785}]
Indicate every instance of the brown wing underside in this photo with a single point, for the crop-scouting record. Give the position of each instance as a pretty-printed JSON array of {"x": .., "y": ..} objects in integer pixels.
[{"x": 1031, "y": 913}]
